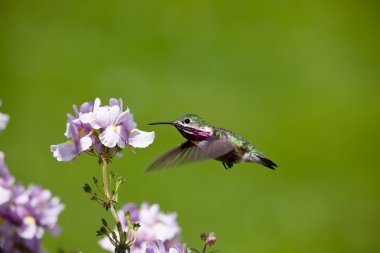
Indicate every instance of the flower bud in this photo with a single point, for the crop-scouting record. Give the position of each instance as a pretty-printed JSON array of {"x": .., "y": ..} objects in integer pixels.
[{"x": 210, "y": 239}]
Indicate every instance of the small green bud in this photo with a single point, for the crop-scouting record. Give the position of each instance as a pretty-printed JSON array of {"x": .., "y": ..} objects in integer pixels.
[
  {"x": 127, "y": 216},
  {"x": 95, "y": 179},
  {"x": 119, "y": 227},
  {"x": 101, "y": 231},
  {"x": 120, "y": 180},
  {"x": 87, "y": 188},
  {"x": 136, "y": 226},
  {"x": 203, "y": 236},
  {"x": 114, "y": 236},
  {"x": 104, "y": 222}
]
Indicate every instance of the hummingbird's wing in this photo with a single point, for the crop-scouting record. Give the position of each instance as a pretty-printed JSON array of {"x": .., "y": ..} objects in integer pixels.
[{"x": 189, "y": 152}]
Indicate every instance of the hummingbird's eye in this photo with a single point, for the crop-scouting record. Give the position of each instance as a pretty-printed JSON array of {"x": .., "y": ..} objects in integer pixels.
[{"x": 187, "y": 121}]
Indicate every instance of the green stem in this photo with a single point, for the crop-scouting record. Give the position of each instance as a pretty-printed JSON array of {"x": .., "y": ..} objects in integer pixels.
[
  {"x": 204, "y": 248},
  {"x": 106, "y": 191}
]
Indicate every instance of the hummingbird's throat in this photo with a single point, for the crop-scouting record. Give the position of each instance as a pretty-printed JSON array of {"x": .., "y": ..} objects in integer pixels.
[{"x": 194, "y": 134}]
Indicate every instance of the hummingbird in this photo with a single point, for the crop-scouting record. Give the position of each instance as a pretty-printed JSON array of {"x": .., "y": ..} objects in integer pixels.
[{"x": 203, "y": 142}]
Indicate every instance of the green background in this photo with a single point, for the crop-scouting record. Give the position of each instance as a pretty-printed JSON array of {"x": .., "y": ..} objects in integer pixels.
[{"x": 298, "y": 79}]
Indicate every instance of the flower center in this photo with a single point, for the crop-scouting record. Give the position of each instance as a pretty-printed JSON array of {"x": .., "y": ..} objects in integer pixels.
[
  {"x": 158, "y": 225},
  {"x": 29, "y": 219},
  {"x": 80, "y": 132}
]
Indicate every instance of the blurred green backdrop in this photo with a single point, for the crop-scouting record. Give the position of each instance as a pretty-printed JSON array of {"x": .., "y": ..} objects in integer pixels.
[{"x": 298, "y": 79}]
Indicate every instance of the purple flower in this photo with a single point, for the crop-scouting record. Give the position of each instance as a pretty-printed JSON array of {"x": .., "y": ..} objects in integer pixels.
[
  {"x": 155, "y": 225},
  {"x": 4, "y": 119},
  {"x": 96, "y": 129},
  {"x": 25, "y": 214}
]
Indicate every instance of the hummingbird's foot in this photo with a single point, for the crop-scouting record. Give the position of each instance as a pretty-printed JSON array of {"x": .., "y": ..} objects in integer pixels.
[{"x": 228, "y": 165}]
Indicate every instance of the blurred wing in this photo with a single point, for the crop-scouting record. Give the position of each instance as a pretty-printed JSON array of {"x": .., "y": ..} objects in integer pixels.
[{"x": 188, "y": 152}]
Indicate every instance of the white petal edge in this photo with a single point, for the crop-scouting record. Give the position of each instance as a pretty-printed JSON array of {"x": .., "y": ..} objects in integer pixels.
[{"x": 140, "y": 139}]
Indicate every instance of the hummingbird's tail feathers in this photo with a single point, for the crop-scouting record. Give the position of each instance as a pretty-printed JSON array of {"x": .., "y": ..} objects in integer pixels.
[{"x": 266, "y": 162}]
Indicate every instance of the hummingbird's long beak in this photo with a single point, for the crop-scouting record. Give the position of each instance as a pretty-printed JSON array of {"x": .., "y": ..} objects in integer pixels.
[{"x": 161, "y": 123}]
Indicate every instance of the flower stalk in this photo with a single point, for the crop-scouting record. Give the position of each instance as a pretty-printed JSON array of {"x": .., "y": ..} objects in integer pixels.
[{"x": 109, "y": 199}]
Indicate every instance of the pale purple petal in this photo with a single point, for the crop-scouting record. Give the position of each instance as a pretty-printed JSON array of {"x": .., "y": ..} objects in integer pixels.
[
  {"x": 123, "y": 136},
  {"x": 103, "y": 117},
  {"x": 97, "y": 104},
  {"x": 161, "y": 246},
  {"x": 21, "y": 195},
  {"x": 4, "y": 119},
  {"x": 140, "y": 139},
  {"x": 151, "y": 248},
  {"x": 87, "y": 107},
  {"x": 5, "y": 195},
  {"x": 168, "y": 218},
  {"x": 75, "y": 108},
  {"x": 89, "y": 118},
  {"x": 149, "y": 215},
  {"x": 176, "y": 249},
  {"x": 65, "y": 151},
  {"x": 129, "y": 122},
  {"x": 84, "y": 144},
  {"x": 123, "y": 118},
  {"x": 68, "y": 131},
  {"x": 50, "y": 215},
  {"x": 165, "y": 232},
  {"x": 109, "y": 137},
  {"x": 70, "y": 117},
  {"x": 73, "y": 132},
  {"x": 6, "y": 179},
  {"x": 106, "y": 244},
  {"x": 116, "y": 102},
  {"x": 114, "y": 113}
]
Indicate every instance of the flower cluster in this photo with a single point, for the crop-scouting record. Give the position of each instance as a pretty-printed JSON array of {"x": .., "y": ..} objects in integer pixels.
[
  {"x": 25, "y": 214},
  {"x": 4, "y": 118},
  {"x": 155, "y": 225},
  {"x": 100, "y": 131}
]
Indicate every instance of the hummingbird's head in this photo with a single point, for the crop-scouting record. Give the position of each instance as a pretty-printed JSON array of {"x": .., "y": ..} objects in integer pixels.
[
  {"x": 191, "y": 126},
  {"x": 190, "y": 120}
]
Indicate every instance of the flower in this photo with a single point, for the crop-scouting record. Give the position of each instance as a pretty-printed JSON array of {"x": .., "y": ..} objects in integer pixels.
[
  {"x": 4, "y": 119},
  {"x": 155, "y": 225},
  {"x": 25, "y": 214},
  {"x": 100, "y": 130}
]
